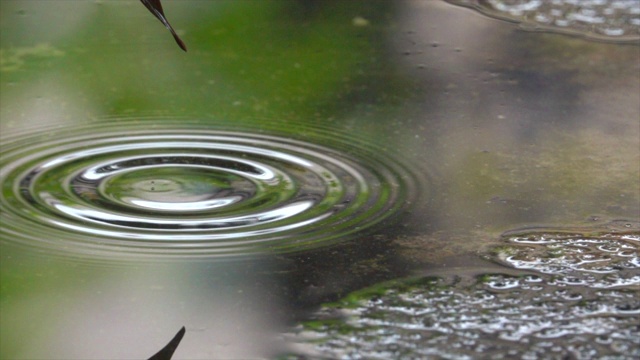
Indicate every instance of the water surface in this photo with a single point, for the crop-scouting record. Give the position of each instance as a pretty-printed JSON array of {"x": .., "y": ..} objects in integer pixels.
[{"x": 445, "y": 161}]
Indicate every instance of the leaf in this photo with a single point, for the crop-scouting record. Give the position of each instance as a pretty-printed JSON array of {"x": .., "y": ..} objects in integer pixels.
[
  {"x": 156, "y": 9},
  {"x": 167, "y": 352}
]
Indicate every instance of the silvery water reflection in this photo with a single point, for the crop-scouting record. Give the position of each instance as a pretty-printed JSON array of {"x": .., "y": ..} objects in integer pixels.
[{"x": 185, "y": 191}]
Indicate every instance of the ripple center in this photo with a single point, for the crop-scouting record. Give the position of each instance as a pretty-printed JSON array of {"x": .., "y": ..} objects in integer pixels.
[{"x": 178, "y": 192}]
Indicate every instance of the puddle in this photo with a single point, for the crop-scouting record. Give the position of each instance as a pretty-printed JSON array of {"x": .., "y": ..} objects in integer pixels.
[
  {"x": 181, "y": 191},
  {"x": 499, "y": 316},
  {"x": 580, "y": 301},
  {"x": 604, "y": 20},
  {"x": 601, "y": 257}
]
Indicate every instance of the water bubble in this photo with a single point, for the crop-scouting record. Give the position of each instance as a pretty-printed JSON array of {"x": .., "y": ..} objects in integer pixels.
[
  {"x": 126, "y": 191},
  {"x": 503, "y": 282}
]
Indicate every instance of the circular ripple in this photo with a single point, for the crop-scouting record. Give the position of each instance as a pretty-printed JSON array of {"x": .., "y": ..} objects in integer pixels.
[{"x": 172, "y": 192}]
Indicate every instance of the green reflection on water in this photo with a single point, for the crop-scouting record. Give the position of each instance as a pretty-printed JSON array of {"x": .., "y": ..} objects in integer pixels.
[{"x": 247, "y": 59}]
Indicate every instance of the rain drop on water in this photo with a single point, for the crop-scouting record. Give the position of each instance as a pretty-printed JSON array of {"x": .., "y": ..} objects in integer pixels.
[{"x": 177, "y": 192}]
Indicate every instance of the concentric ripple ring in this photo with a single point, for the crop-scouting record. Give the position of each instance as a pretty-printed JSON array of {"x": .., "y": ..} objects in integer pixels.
[{"x": 174, "y": 192}]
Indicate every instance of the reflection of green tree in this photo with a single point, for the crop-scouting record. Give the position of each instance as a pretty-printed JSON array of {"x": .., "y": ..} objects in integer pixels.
[
  {"x": 289, "y": 56},
  {"x": 247, "y": 59}
]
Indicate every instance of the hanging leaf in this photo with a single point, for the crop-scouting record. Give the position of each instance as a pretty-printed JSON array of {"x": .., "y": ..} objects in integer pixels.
[
  {"x": 167, "y": 352},
  {"x": 156, "y": 9}
]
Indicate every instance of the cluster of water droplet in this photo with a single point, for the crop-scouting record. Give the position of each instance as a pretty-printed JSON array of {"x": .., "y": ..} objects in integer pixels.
[
  {"x": 599, "y": 19},
  {"x": 581, "y": 301},
  {"x": 597, "y": 261},
  {"x": 498, "y": 316}
]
